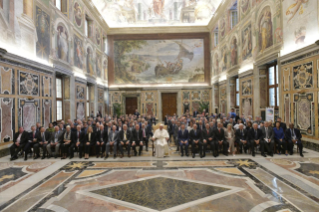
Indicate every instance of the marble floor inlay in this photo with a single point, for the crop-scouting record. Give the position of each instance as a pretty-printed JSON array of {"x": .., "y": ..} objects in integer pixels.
[{"x": 172, "y": 184}]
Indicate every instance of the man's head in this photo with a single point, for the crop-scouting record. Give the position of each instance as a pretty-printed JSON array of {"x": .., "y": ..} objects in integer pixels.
[
  {"x": 219, "y": 125},
  {"x": 279, "y": 119},
  {"x": 21, "y": 129},
  {"x": 194, "y": 126},
  {"x": 33, "y": 128},
  {"x": 255, "y": 126},
  {"x": 101, "y": 127},
  {"x": 78, "y": 128},
  {"x": 68, "y": 128},
  {"x": 124, "y": 127},
  {"x": 291, "y": 125},
  {"x": 114, "y": 128},
  {"x": 38, "y": 125},
  {"x": 207, "y": 126},
  {"x": 161, "y": 126},
  {"x": 183, "y": 126},
  {"x": 56, "y": 128},
  {"x": 90, "y": 130},
  {"x": 266, "y": 124},
  {"x": 241, "y": 126},
  {"x": 42, "y": 129}
]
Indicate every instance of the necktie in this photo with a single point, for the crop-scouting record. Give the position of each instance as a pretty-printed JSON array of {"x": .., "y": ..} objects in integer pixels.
[
  {"x": 266, "y": 132},
  {"x": 255, "y": 133},
  {"x": 67, "y": 135},
  {"x": 33, "y": 134},
  {"x": 112, "y": 136},
  {"x": 144, "y": 133},
  {"x": 195, "y": 133},
  {"x": 125, "y": 136},
  {"x": 218, "y": 130},
  {"x": 241, "y": 133},
  {"x": 43, "y": 137}
]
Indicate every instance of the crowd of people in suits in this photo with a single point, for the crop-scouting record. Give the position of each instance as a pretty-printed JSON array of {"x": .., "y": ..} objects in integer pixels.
[
  {"x": 219, "y": 133},
  {"x": 228, "y": 134}
]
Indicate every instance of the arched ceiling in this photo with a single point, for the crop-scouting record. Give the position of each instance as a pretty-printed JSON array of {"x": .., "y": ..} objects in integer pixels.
[{"x": 155, "y": 13}]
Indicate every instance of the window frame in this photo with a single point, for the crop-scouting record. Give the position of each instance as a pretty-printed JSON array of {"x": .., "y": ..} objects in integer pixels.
[
  {"x": 237, "y": 92},
  {"x": 232, "y": 25},
  {"x": 275, "y": 85},
  {"x": 60, "y": 99},
  {"x": 216, "y": 36}
]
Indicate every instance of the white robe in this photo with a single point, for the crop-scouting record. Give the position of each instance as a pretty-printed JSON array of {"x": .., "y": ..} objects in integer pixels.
[{"x": 161, "y": 146}]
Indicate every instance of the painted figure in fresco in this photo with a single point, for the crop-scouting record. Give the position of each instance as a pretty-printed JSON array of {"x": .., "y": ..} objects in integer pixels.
[
  {"x": 244, "y": 6},
  {"x": 98, "y": 37},
  {"x": 158, "y": 7},
  {"x": 105, "y": 70},
  {"x": 294, "y": 8},
  {"x": 77, "y": 14},
  {"x": 246, "y": 43},
  {"x": 89, "y": 62},
  {"x": 300, "y": 35},
  {"x": 224, "y": 59},
  {"x": 79, "y": 55},
  {"x": 63, "y": 48},
  {"x": 216, "y": 64},
  {"x": 265, "y": 30},
  {"x": 98, "y": 66},
  {"x": 233, "y": 55},
  {"x": 222, "y": 27}
]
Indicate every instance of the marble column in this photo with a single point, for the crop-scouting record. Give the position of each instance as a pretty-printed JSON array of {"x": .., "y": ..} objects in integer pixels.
[
  {"x": 231, "y": 96},
  {"x": 256, "y": 93},
  {"x": 215, "y": 98},
  {"x": 72, "y": 98},
  {"x": 28, "y": 29}
]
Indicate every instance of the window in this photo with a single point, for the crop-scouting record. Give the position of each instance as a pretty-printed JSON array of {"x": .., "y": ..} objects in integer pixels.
[
  {"x": 58, "y": 4},
  {"x": 234, "y": 18},
  {"x": 273, "y": 90},
  {"x": 86, "y": 27},
  {"x": 237, "y": 92},
  {"x": 216, "y": 37},
  {"x": 59, "y": 99},
  {"x": 105, "y": 44},
  {"x": 87, "y": 102}
]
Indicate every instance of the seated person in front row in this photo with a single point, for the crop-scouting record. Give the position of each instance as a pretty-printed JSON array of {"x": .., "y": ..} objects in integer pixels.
[
  {"x": 136, "y": 139},
  {"x": 255, "y": 137},
  {"x": 207, "y": 138},
  {"x": 125, "y": 141},
  {"x": 101, "y": 140},
  {"x": 112, "y": 142},
  {"x": 183, "y": 140},
  {"x": 32, "y": 140},
  {"x": 268, "y": 139},
  {"x": 43, "y": 140},
  {"x": 220, "y": 140},
  {"x": 89, "y": 141},
  {"x": 66, "y": 142},
  {"x": 77, "y": 142},
  {"x": 55, "y": 142},
  {"x": 19, "y": 142},
  {"x": 195, "y": 139},
  {"x": 279, "y": 137},
  {"x": 293, "y": 136},
  {"x": 241, "y": 138}
]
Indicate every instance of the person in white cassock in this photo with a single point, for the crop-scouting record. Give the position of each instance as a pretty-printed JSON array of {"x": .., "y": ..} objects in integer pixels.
[{"x": 160, "y": 139}]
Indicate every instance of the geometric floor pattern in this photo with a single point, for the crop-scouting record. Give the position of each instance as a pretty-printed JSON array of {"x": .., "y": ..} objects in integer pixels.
[{"x": 240, "y": 183}]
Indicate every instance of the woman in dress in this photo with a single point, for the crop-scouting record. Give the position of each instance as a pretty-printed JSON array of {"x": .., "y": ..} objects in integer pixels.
[{"x": 230, "y": 138}]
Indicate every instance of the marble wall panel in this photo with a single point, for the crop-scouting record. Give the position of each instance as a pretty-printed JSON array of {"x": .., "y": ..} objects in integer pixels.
[
  {"x": 303, "y": 76},
  {"x": 28, "y": 83},
  {"x": 287, "y": 108},
  {"x": 67, "y": 112},
  {"x": 80, "y": 110},
  {"x": 149, "y": 108},
  {"x": 7, "y": 81},
  {"x": 304, "y": 112},
  {"x": 247, "y": 108},
  {"x": 46, "y": 86},
  {"x": 7, "y": 115},
  {"x": 47, "y": 112},
  {"x": 286, "y": 79},
  {"x": 28, "y": 113},
  {"x": 80, "y": 92}
]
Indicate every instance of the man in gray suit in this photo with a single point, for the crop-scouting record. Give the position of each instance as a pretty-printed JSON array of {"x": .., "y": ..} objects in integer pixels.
[
  {"x": 268, "y": 139},
  {"x": 55, "y": 142},
  {"x": 112, "y": 141}
]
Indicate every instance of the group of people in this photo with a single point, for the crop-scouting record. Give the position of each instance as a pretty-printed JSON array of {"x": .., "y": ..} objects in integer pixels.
[
  {"x": 230, "y": 134},
  {"x": 100, "y": 136}
]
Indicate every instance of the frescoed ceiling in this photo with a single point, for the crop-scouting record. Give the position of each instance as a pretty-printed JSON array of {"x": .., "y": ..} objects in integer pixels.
[{"x": 148, "y": 13}]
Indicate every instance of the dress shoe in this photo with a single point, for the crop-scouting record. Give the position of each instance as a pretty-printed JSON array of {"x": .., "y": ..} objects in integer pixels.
[
  {"x": 55, "y": 157},
  {"x": 70, "y": 157},
  {"x": 193, "y": 155},
  {"x": 25, "y": 158},
  {"x": 264, "y": 155},
  {"x": 201, "y": 156},
  {"x": 135, "y": 153},
  {"x": 97, "y": 156},
  {"x": 63, "y": 158},
  {"x": 253, "y": 154},
  {"x": 121, "y": 156},
  {"x": 140, "y": 153},
  {"x": 86, "y": 158},
  {"x": 42, "y": 157},
  {"x": 301, "y": 155},
  {"x": 36, "y": 157},
  {"x": 129, "y": 155},
  {"x": 107, "y": 155},
  {"x": 146, "y": 149},
  {"x": 13, "y": 158},
  {"x": 182, "y": 155},
  {"x": 114, "y": 156},
  {"x": 187, "y": 155}
]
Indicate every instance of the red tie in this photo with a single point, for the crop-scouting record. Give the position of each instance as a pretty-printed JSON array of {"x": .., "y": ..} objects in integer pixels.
[{"x": 33, "y": 135}]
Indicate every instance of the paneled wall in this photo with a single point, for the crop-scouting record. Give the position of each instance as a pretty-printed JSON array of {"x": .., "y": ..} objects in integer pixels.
[
  {"x": 26, "y": 97},
  {"x": 246, "y": 90},
  {"x": 192, "y": 98}
]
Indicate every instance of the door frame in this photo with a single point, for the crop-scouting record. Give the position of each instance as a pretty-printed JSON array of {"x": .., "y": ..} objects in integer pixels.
[
  {"x": 178, "y": 103},
  {"x": 125, "y": 95}
]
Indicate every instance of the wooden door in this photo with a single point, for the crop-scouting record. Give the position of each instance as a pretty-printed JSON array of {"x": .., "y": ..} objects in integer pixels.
[
  {"x": 131, "y": 105},
  {"x": 169, "y": 104}
]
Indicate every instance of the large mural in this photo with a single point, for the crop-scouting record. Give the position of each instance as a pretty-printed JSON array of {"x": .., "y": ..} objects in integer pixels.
[
  {"x": 158, "y": 61},
  {"x": 43, "y": 33},
  {"x": 156, "y": 12},
  {"x": 300, "y": 23},
  {"x": 265, "y": 29}
]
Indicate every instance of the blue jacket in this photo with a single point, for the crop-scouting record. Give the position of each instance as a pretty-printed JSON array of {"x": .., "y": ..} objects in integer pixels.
[{"x": 183, "y": 137}]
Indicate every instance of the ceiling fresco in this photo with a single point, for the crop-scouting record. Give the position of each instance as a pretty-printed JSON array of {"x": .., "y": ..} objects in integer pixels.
[{"x": 147, "y": 13}]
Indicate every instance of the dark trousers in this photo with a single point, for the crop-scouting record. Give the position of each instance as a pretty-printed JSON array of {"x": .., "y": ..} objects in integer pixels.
[
  {"x": 87, "y": 148},
  {"x": 145, "y": 141},
  {"x": 269, "y": 147},
  {"x": 214, "y": 148},
  {"x": 222, "y": 146},
  {"x": 65, "y": 148},
  {"x": 37, "y": 147},
  {"x": 184, "y": 147},
  {"x": 291, "y": 146},
  {"x": 199, "y": 145},
  {"x": 281, "y": 145},
  {"x": 14, "y": 149},
  {"x": 137, "y": 143},
  {"x": 80, "y": 149},
  {"x": 204, "y": 146},
  {"x": 27, "y": 148},
  {"x": 127, "y": 146},
  {"x": 243, "y": 146},
  {"x": 99, "y": 148},
  {"x": 253, "y": 145}
]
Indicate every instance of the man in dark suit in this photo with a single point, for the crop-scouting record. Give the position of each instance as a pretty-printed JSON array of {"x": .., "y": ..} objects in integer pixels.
[
  {"x": 19, "y": 141},
  {"x": 32, "y": 140},
  {"x": 136, "y": 140},
  {"x": 145, "y": 136},
  {"x": 43, "y": 140},
  {"x": 137, "y": 113},
  {"x": 112, "y": 141},
  {"x": 66, "y": 141},
  {"x": 255, "y": 138},
  {"x": 293, "y": 136},
  {"x": 195, "y": 113},
  {"x": 101, "y": 139},
  {"x": 77, "y": 142},
  {"x": 125, "y": 141},
  {"x": 207, "y": 138},
  {"x": 183, "y": 139},
  {"x": 242, "y": 138},
  {"x": 267, "y": 139},
  {"x": 220, "y": 140},
  {"x": 195, "y": 139}
]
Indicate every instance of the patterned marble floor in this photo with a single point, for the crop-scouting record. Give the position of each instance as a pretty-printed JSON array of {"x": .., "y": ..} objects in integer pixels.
[{"x": 240, "y": 183}]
